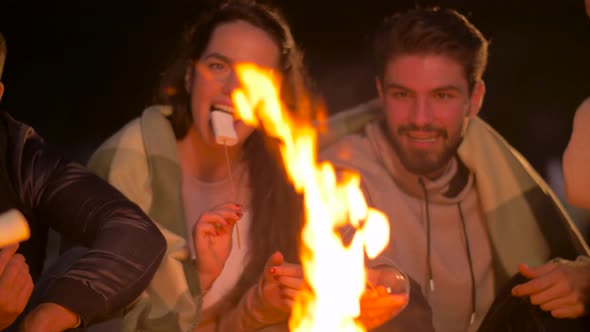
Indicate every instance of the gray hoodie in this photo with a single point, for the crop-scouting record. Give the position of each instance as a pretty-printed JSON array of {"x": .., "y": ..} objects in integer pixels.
[{"x": 438, "y": 234}]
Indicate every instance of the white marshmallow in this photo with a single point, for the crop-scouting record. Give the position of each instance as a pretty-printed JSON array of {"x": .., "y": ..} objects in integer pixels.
[
  {"x": 14, "y": 228},
  {"x": 223, "y": 128}
]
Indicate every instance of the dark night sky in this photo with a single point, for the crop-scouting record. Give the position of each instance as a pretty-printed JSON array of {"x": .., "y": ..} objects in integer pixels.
[{"x": 77, "y": 70}]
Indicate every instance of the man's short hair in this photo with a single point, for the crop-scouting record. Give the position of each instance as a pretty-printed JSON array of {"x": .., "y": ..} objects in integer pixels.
[
  {"x": 432, "y": 31},
  {"x": 2, "y": 53}
]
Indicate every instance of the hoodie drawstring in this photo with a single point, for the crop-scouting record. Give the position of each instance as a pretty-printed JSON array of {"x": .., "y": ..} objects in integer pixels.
[
  {"x": 428, "y": 262},
  {"x": 428, "y": 255},
  {"x": 470, "y": 263}
]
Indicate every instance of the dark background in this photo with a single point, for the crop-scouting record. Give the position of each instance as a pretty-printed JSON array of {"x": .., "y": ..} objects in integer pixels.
[{"x": 78, "y": 70}]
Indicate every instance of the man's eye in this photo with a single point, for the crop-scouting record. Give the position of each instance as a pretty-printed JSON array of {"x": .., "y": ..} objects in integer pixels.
[
  {"x": 443, "y": 95},
  {"x": 399, "y": 94}
]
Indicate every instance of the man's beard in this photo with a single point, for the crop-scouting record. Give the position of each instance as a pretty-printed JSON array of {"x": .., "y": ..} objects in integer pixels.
[{"x": 423, "y": 162}]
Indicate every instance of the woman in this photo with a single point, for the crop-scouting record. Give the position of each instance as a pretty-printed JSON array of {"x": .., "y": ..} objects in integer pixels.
[{"x": 170, "y": 164}]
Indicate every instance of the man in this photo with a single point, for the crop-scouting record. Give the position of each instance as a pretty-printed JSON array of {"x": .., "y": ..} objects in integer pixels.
[
  {"x": 466, "y": 211},
  {"x": 125, "y": 247}
]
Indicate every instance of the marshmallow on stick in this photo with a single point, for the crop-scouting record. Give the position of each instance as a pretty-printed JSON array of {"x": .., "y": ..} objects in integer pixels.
[
  {"x": 223, "y": 128},
  {"x": 225, "y": 134},
  {"x": 14, "y": 228}
]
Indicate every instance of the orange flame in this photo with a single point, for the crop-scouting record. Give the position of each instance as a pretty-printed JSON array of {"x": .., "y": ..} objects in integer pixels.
[{"x": 334, "y": 272}]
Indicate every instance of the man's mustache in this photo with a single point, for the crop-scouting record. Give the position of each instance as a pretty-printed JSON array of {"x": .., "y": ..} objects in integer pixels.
[{"x": 402, "y": 130}]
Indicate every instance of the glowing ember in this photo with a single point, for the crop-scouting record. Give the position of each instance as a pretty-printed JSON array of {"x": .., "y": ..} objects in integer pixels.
[{"x": 334, "y": 272}]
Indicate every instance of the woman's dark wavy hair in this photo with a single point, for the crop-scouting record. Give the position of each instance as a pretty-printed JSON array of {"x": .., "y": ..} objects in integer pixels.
[{"x": 276, "y": 209}]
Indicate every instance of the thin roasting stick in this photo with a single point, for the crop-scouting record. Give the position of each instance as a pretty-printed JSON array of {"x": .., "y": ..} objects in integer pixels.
[{"x": 233, "y": 188}]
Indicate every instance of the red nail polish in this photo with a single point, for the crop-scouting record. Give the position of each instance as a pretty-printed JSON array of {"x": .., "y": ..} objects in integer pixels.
[{"x": 272, "y": 270}]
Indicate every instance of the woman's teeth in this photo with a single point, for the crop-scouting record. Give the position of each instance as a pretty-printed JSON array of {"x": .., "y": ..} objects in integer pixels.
[{"x": 223, "y": 108}]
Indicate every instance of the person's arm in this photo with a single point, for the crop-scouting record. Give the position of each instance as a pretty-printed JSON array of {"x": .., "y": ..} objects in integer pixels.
[
  {"x": 125, "y": 246},
  {"x": 576, "y": 159}
]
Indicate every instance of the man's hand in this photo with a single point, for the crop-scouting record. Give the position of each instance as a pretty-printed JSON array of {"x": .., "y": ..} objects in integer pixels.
[
  {"x": 16, "y": 285},
  {"x": 213, "y": 240},
  {"x": 49, "y": 317},
  {"x": 385, "y": 298},
  {"x": 561, "y": 287}
]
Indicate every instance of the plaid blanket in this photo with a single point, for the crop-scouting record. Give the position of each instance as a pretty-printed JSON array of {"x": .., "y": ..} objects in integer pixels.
[
  {"x": 141, "y": 161},
  {"x": 515, "y": 199}
]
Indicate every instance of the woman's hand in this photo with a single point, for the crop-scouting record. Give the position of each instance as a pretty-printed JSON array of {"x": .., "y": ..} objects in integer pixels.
[
  {"x": 281, "y": 283},
  {"x": 213, "y": 240}
]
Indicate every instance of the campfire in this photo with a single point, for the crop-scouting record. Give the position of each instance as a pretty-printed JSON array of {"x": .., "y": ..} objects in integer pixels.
[{"x": 334, "y": 270}]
